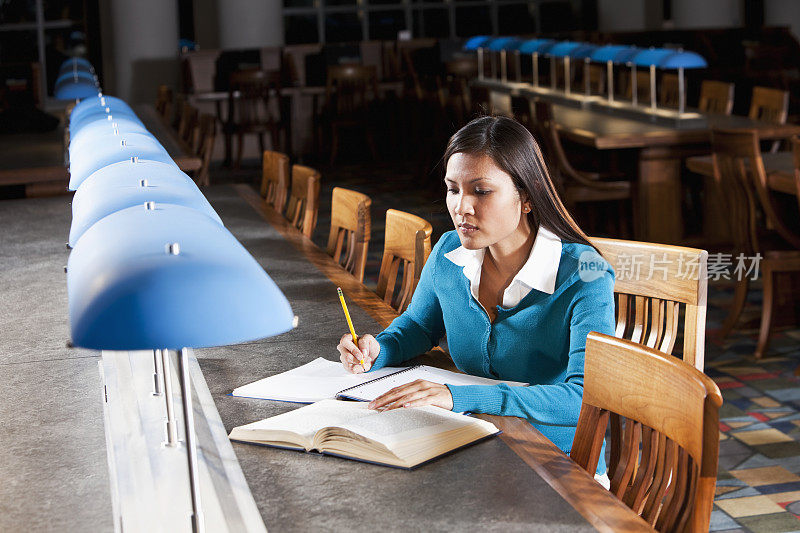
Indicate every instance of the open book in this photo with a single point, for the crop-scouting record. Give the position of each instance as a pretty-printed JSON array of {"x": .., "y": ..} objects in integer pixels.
[
  {"x": 322, "y": 379},
  {"x": 403, "y": 438}
]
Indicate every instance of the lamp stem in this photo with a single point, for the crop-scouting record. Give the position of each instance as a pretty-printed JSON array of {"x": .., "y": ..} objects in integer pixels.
[
  {"x": 587, "y": 78},
  {"x": 172, "y": 427},
  {"x": 480, "y": 63},
  {"x": 567, "y": 77},
  {"x": 518, "y": 65},
  {"x": 681, "y": 93},
  {"x": 610, "y": 76},
  {"x": 535, "y": 60},
  {"x": 634, "y": 86},
  {"x": 653, "y": 87},
  {"x": 156, "y": 374},
  {"x": 191, "y": 445},
  {"x": 503, "y": 66}
]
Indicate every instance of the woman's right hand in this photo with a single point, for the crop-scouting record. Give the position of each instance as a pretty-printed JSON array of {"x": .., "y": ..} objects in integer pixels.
[{"x": 352, "y": 355}]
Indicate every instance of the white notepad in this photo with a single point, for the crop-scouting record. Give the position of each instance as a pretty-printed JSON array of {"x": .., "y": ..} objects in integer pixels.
[{"x": 322, "y": 379}]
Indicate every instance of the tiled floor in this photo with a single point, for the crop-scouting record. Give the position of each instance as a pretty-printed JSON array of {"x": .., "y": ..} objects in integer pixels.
[{"x": 758, "y": 485}]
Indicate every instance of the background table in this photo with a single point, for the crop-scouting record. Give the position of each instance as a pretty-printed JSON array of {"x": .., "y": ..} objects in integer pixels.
[{"x": 658, "y": 151}]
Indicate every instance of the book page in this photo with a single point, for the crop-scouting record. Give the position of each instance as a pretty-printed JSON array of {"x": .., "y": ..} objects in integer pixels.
[
  {"x": 307, "y": 420},
  {"x": 318, "y": 380},
  {"x": 372, "y": 390},
  {"x": 400, "y": 425}
]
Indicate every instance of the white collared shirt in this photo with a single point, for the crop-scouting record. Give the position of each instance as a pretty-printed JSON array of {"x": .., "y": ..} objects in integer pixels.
[{"x": 539, "y": 271}]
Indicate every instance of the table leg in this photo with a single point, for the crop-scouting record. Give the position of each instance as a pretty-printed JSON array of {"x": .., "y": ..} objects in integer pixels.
[{"x": 659, "y": 196}]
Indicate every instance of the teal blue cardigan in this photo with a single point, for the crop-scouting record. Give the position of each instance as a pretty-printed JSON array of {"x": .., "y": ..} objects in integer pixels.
[{"x": 541, "y": 341}]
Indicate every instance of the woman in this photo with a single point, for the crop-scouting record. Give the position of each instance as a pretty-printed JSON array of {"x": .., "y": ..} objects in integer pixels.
[{"x": 506, "y": 288}]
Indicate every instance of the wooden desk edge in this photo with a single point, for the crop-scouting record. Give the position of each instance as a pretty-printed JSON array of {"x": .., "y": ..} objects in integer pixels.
[{"x": 598, "y": 506}]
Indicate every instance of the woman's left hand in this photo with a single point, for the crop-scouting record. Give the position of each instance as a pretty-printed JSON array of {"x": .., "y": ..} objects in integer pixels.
[{"x": 414, "y": 394}]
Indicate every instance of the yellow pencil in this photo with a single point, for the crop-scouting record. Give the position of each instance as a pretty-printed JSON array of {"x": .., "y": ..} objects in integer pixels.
[{"x": 349, "y": 322}]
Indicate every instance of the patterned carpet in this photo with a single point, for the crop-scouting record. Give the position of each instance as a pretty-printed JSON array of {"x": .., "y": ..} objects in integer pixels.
[{"x": 758, "y": 486}]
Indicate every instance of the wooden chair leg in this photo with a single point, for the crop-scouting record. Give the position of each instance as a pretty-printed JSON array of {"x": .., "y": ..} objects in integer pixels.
[
  {"x": 767, "y": 309},
  {"x": 239, "y": 150},
  {"x": 334, "y": 143},
  {"x": 739, "y": 299}
]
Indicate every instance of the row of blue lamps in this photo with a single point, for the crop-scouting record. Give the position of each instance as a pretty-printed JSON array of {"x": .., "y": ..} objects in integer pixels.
[
  {"x": 567, "y": 51},
  {"x": 152, "y": 266}
]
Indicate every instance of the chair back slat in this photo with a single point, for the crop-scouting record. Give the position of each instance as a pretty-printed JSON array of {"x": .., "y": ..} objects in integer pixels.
[
  {"x": 716, "y": 97},
  {"x": 769, "y": 105},
  {"x": 207, "y": 134},
  {"x": 303, "y": 204},
  {"x": 188, "y": 122},
  {"x": 407, "y": 242},
  {"x": 350, "y": 89},
  {"x": 653, "y": 282},
  {"x": 275, "y": 179},
  {"x": 663, "y": 416},
  {"x": 351, "y": 227},
  {"x": 164, "y": 102}
]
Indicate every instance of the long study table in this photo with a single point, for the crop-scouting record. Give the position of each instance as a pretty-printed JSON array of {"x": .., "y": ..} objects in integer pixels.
[{"x": 519, "y": 481}]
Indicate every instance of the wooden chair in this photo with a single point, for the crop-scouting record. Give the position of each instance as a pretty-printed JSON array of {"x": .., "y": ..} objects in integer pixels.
[
  {"x": 349, "y": 93},
  {"x": 770, "y": 105},
  {"x": 453, "y": 90},
  {"x": 669, "y": 90},
  {"x": 177, "y": 116},
  {"x": 164, "y": 102},
  {"x": 275, "y": 179},
  {"x": 742, "y": 185},
  {"x": 206, "y": 135},
  {"x": 654, "y": 283},
  {"x": 664, "y": 443},
  {"x": 407, "y": 242},
  {"x": 716, "y": 97},
  {"x": 351, "y": 227},
  {"x": 303, "y": 204},
  {"x": 188, "y": 122},
  {"x": 258, "y": 109},
  {"x": 577, "y": 187}
]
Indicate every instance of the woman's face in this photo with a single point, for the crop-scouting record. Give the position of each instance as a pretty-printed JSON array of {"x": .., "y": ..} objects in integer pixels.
[{"x": 483, "y": 202}]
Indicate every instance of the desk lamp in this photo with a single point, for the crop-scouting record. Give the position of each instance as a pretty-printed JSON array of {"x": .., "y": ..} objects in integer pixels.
[
  {"x": 681, "y": 60},
  {"x": 612, "y": 54},
  {"x": 131, "y": 147},
  {"x": 100, "y": 114},
  {"x": 477, "y": 43},
  {"x": 98, "y": 130},
  {"x": 167, "y": 277},
  {"x": 651, "y": 58},
  {"x": 126, "y": 184},
  {"x": 562, "y": 49},
  {"x": 536, "y": 47},
  {"x": 87, "y": 105},
  {"x": 502, "y": 45},
  {"x": 583, "y": 52},
  {"x": 75, "y": 90}
]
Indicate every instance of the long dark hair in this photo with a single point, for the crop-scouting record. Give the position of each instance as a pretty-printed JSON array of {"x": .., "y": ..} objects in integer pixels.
[{"x": 512, "y": 147}]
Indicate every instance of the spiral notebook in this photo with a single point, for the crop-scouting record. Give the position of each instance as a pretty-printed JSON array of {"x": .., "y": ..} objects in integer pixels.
[{"x": 322, "y": 379}]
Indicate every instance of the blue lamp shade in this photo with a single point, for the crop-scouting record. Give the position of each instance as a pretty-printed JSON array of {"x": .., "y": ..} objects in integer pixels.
[
  {"x": 168, "y": 277},
  {"x": 136, "y": 146},
  {"x": 651, "y": 56},
  {"x": 536, "y": 45},
  {"x": 100, "y": 115},
  {"x": 68, "y": 67},
  {"x": 504, "y": 43},
  {"x": 563, "y": 48},
  {"x": 73, "y": 77},
  {"x": 682, "y": 59},
  {"x": 615, "y": 53},
  {"x": 75, "y": 91},
  {"x": 89, "y": 104},
  {"x": 127, "y": 184},
  {"x": 583, "y": 51},
  {"x": 99, "y": 130},
  {"x": 479, "y": 41}
]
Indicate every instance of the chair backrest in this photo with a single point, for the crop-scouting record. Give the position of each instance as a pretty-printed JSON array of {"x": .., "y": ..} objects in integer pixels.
[
  {"x": 258, "y": 100},
  {"x": 294, "y": 58},
  {"x": 350, "y": 88},
  {"x": 164, "y": 102},
  {"x": 407, "y": 242},
  {"x": 187, "y": 124},
  {"x": 664, "y": 443},
  {"x": 669, "y": 90},
  {"x": 275, "y": 179},
  {"x": 769, "y": 105},
  {"x": 742, "y": 184},
  {"x": 716, "y": 97},
  {"x": 654, "y": 282},
  {"x": 303, "y": 204},
  {"x": 201, "y": 66},
  {"x": 642, "y": 85},
  {"x": 207, "y": 134},
  {"x": 372, "y": 56},
  {"x": 351, "y": 227}
]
